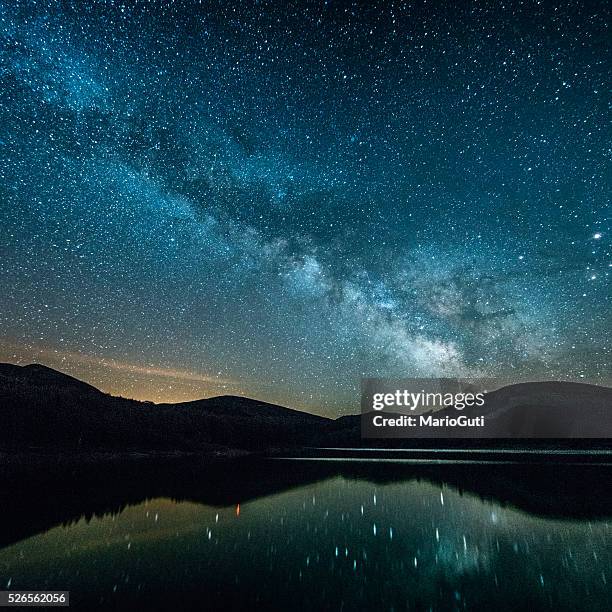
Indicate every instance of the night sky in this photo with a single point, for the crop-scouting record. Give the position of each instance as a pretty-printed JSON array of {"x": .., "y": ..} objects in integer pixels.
[{"x": 276, "y": 199}]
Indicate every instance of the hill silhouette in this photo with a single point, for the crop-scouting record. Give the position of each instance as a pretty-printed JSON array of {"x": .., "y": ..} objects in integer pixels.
[
  {"x": 552, "y": 409},
  {"x": 41, "y": 408},
  {"x": 548, "y": 409},
  {"x": 39, "y": 375}
]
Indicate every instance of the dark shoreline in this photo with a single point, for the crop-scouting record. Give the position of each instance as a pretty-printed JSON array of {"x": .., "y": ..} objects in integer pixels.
[{"x": 456, "y": 451}]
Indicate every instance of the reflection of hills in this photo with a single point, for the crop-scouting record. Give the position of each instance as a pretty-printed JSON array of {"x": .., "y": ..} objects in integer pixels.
[
  {"x": 35, "y": 499},
  {"x": 73, "y": 451}
]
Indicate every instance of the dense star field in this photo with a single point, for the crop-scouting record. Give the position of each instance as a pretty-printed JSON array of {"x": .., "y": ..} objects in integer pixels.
[{"x": 277, "y": 198}]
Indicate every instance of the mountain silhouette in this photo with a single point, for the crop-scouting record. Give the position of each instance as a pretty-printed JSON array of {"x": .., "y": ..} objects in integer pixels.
[
  {"x": 43, "y": 409},
  {"x": 236, "y": 406},
  {"x": 37, "y": 374},
  {"x": 552, "y": 409}
]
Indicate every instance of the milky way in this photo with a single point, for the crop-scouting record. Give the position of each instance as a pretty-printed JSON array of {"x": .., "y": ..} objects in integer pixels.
[{"x": 276, "y": 199}]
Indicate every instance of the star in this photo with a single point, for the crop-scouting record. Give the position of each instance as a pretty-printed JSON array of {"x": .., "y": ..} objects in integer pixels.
[{"x": 219, "y": 198}]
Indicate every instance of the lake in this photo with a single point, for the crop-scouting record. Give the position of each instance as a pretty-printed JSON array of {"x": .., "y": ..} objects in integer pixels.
[{"x": 316, "y": 535}]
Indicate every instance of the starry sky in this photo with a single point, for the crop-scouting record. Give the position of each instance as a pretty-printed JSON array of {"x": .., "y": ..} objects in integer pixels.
[{"x": 276, "y": 199}]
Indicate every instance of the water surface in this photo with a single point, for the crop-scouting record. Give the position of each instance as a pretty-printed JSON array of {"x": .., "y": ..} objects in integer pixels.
[{"x": 383, "y": 538}]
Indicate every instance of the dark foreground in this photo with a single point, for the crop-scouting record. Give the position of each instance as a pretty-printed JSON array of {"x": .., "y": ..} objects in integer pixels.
[{"x": 307, "y": 534}]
